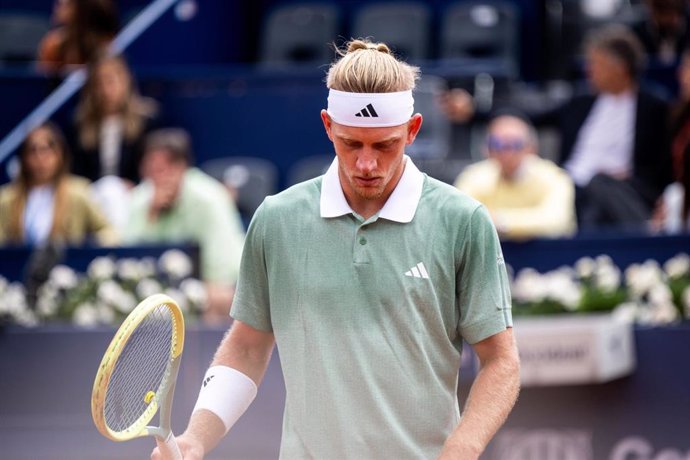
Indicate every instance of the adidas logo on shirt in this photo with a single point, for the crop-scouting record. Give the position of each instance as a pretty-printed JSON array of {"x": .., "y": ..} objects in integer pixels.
[
  {"x": 418, "y": 271},
  {"x": 367, "y": 111}
]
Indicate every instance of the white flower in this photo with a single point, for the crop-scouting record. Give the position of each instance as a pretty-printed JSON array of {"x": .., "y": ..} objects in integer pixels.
[
  {"x": 567, "y": 270},
  {"x": 129, "y": 269},
  {"x": 603, "y": 260},
  {"x": 607, "y": 277},
  {"x": 13, "y": 304},
  {"x": 47, "y": 303},
  {"x": 86, "y": 316},
  {"x": 664, "y": 314},
  {"x": 529, "y": 286},
  {"x": 63, "y": 277},
  {"x": 626, "y": 312},
  {"x": 109, "y": 292},
  {"x": 147, "y": 266},
  {"x": 178, "y": 297},
  {"x": 106, "y": 315},
  {"x": 3, "y": 284},
  {"x": 101, "y": 268},
  {"x": 13, "y": 300},
  {"x": 175, "y": 264},
  {"x": 641, "y": 278},
  {"x": 585, "y": 267},
  {"x": 561, "y": 287},
  {"x": 195, "y": 291},
  {"x": 660, "y": 294},
  {"x": 147, "y": 287},
  {"x": 126, "y": 302},
  {"x": 677, "y": 266}
]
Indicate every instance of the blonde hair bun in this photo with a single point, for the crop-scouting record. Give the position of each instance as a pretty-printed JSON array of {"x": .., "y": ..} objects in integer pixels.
[
  {"x": 358, "y": 44},
  {"x": 358, "y": 72}
]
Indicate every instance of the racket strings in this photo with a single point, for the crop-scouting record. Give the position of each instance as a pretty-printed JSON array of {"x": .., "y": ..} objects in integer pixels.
[{"x": 143, "y": 366}]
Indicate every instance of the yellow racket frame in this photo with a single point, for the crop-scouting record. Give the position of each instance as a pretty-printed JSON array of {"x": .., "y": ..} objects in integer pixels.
[{"x": 162, "y": 397}]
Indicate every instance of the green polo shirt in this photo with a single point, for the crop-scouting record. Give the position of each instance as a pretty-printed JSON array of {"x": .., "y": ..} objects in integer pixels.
[{"x": 369, "y": 315}]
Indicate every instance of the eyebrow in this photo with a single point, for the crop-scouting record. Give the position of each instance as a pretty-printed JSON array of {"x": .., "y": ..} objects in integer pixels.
[{"x": 383, "y": 141}]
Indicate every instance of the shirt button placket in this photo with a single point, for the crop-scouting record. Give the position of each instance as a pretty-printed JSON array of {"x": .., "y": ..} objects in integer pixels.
[{"x": 361, "y": 253}]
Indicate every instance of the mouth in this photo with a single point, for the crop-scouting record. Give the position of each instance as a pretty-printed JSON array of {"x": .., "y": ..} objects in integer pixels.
[{"x": 367, "y": 181}]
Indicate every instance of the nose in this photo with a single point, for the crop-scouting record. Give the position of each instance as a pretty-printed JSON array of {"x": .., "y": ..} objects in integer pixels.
[{"x": 366, "y": 162}]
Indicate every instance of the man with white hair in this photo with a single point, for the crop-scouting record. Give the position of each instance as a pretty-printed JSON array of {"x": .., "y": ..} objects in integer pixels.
[{"x": 526, "y": 195}]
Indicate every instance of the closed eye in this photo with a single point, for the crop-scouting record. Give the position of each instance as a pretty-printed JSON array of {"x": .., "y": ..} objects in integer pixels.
[{"x": 385, "y": 145}]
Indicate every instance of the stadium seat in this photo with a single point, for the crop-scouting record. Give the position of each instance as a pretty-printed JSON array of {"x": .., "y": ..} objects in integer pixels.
[
  {"x": 20, "y": 35},
  {"x": 252, "y": 178},
  {"x": 299, "y": 33},
  {"x": 403, "y": 26},
  {"x": 481, "y": 30},
  {"x": 308, "y": 167}
]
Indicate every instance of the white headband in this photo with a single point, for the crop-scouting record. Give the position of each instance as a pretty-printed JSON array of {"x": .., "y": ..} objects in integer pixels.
[{"x": 370, "y": 110}]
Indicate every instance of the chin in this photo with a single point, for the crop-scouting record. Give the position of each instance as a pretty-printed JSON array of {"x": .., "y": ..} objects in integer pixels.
[{"x": 369, "y": 193}]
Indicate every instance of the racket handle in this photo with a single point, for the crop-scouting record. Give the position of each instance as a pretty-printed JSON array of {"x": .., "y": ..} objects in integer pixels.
[{"x": 168, "y": 447}]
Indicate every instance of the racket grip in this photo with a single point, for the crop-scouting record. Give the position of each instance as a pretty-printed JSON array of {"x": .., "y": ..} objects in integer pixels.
[{"x": 169, "y": 448}]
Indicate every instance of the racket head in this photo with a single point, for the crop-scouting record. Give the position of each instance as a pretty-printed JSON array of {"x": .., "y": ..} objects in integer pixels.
[{"x": 138, "y": 370}]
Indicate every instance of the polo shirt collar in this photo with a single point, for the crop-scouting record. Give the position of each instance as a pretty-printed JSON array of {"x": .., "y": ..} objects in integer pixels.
[{"x": 400, "y": 207}]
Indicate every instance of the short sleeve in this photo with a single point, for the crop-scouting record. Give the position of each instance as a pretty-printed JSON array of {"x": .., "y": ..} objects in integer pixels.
[
  {"x": 483, "y": 291},
  {"x": 251, "y": 303}
]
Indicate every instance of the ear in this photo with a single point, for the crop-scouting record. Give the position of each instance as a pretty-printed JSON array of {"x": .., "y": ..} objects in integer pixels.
[
  {"x": 413, "y": 127},
  {"x": 327, "y": 123}
]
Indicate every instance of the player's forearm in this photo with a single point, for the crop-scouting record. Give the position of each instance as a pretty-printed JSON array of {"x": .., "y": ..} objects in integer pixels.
[
  {"x": 229, "y": 385},
  {"x": 246, "y": 350},
  {"x": 491, "y": 399}
]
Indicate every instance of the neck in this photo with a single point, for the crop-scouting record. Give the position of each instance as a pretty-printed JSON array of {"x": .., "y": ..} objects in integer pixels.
[
  {"x": 40, "y": 183},
  {"x": 622, "y": 88}
]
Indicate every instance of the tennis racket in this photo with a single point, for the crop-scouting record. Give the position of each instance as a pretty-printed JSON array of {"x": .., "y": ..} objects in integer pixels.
[{"x": 137, "y": 375}]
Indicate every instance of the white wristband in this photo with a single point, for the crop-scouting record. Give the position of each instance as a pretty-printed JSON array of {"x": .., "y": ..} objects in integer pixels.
[{"x": 227, "y": 393}]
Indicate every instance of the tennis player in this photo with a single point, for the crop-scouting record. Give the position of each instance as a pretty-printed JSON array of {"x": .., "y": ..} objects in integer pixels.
[{"x": 368, "y": 279}]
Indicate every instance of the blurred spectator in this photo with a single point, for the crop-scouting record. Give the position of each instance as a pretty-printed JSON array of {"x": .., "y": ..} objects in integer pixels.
[
  {"x": 614, "y": 143},
  {"x": 83, "y": 28},
  {"x": 44, "y": 204},
  {"x": 680, "y": 119},
  {"x": 664, "y": 33},
  {"x": 672, "y": 214},
  {"x": 177, "y": 203},
  {"x": 112, "y": 120},
  {"x": 527, "y": 196}
]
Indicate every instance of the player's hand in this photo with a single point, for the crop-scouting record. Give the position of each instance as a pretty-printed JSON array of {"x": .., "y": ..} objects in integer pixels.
[
  {"x": 164, "y": 196},
  {"x": 458, "y": 105},
  {"x": 191, "y": 450}
]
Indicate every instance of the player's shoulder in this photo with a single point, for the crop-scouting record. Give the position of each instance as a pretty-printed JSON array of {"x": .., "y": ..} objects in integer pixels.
[
  {"x": 294, "y": 199},
  {"x": 447, "y": 198}
]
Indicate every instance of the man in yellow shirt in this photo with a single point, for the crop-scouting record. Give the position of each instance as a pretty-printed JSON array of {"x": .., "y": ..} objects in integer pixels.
[{"x": 527, "y": 196}]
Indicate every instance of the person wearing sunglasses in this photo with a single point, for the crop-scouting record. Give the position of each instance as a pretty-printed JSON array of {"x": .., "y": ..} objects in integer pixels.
[{"x": 527, "y": 196}]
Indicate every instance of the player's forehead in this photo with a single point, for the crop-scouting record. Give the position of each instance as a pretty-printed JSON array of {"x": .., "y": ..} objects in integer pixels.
[{"x": 368, "y": 135}]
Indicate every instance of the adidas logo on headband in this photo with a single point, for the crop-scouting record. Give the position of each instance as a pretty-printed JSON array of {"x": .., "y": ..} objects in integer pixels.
[{"x": 367, "y": 111}]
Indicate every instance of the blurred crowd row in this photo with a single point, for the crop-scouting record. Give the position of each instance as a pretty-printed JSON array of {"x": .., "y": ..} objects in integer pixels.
[{"x": 119, "y": 175}]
